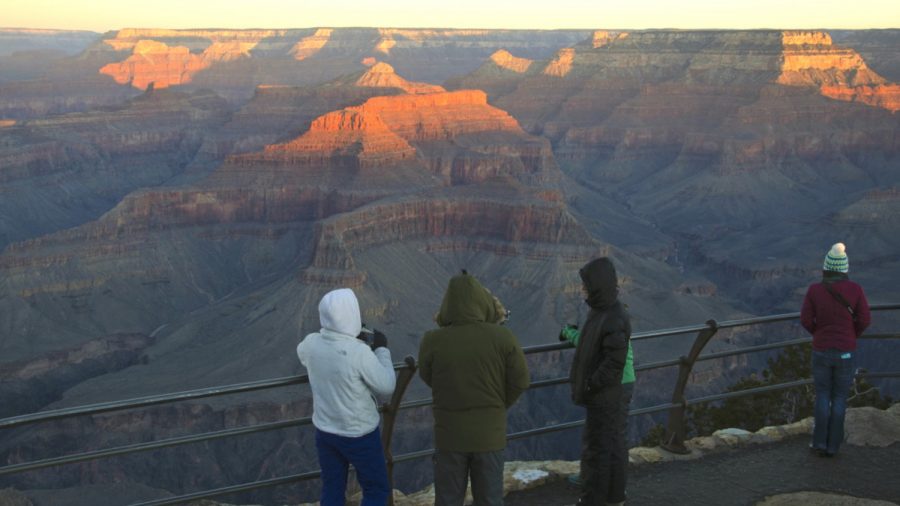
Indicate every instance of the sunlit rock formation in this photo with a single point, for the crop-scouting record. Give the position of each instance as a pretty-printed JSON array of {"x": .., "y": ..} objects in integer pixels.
[
  {"x": 309, "y": 46},
  {"x": 507, "y": 61},
  {"x": 810, "y": 59}
]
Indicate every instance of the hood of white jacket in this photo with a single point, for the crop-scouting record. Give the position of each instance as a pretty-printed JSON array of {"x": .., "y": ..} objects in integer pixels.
[{"x": 339, "y": 312}]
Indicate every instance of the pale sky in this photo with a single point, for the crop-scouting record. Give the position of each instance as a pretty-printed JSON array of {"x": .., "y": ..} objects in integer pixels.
[{"x": 103, "y": 15}]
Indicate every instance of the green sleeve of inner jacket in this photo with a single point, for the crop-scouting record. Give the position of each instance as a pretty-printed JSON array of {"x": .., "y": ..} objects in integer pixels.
[
  {"x": 628, "y": 372},
  {"x": 571, "y": 334}
]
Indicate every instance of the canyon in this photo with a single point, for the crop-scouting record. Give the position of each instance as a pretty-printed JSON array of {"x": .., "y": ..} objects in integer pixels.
[{"x": 173, "y": 204}]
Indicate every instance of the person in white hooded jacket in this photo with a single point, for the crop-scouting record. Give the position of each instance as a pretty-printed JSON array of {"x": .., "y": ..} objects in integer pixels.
[{"x": 346, "y": 375}]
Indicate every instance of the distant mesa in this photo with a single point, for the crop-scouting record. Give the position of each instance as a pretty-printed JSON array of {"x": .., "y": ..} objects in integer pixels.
[
  {"x": 382, "y": 75},
  {"x": 603, "y": 37},
  {"x": 311, "y": 45},
  {"x": 153, "y": 60},
  {"x": 562, "y": 64},
  {"x": 164, "y": 65},
  {"x": 810, "y": 59},
  {"x": 391, "y": 37},
  {"x": 127, "y": 38},
  {"x": 504, "y": 59}
]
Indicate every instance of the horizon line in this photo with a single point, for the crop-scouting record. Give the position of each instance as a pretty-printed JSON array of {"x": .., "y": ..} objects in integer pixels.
[{"x": 399, "y": 27}]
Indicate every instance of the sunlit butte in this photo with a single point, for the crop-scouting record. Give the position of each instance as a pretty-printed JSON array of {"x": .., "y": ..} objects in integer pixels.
[{"x": 103, "y": 15}]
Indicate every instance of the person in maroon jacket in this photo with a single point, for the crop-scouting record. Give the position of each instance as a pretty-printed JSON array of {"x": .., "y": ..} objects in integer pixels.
[{"x": 836, "y": 313}]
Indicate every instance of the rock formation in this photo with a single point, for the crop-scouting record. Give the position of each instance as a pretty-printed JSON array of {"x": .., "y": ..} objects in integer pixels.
[
  {"x": 64, "y": 170},
  {"x": 308, "y": 46},
  {"x": 740, "y": 125},
  {"x": 382, "y": 75},
  {"x": 234, "y": 62},
  {"x": 507, "y": 61},
  {"x": 156, "y": 63},
  {"x": 562, "y": 64},
  {"x": 810, "y": 59}
]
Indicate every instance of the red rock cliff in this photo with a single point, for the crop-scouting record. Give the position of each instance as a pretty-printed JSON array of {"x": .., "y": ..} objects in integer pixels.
[{"x": 810, "y": 59}]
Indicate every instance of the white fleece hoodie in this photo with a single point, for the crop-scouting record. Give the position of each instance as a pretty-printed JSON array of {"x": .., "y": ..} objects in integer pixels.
[{"x": 344, "y": 373}]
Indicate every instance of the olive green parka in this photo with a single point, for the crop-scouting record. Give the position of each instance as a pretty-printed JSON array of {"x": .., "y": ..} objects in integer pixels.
[{"x": 475, "y": 368}]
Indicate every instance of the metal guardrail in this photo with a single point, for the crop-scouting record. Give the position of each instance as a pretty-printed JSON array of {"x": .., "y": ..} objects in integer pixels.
[{"x": 675, "y": 431}]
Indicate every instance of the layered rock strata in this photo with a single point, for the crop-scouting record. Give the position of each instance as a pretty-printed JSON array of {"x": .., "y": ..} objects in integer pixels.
[
  {"x": 65, "y": 170},
  {"x": 810, "y": 59},
  {"x": 716, "y": 138},
  {"x": 388, "y": 146},
  {"x": 278, "y": 113},
  {"x": 248, "y": 58}
]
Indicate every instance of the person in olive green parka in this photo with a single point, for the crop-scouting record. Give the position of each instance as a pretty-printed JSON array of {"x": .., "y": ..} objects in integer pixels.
[{"x": 476, "y": 370}]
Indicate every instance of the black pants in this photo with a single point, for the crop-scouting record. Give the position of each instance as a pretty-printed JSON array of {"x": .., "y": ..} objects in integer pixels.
[{"x": 604, "y": 457}]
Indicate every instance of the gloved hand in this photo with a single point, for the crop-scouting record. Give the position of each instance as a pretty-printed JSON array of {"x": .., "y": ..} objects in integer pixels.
[
  {"x": 569, "y": 333},
  {"x": 379, "y": 340}
]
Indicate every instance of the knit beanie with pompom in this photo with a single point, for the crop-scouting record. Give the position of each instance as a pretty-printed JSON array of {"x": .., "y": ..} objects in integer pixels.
[{"x": 836, "y": 259}]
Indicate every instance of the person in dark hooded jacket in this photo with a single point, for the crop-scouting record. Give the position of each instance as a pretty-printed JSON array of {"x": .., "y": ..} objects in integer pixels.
[
  {"x": 596, "y": 380},
  {"x": 476, "y": 370}
]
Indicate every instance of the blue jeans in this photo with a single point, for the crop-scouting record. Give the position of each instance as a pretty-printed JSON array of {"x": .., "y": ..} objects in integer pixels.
[
  {"x": 366, "y": 455},
  {"x": 833, "y": 374}
]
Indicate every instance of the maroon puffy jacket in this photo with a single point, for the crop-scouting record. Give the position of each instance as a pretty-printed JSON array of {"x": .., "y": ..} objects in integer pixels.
[{"x": 828, "y": 320}]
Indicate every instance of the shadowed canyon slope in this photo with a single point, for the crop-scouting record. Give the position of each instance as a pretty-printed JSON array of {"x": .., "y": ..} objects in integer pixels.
[{"x": 171, "y": 215}]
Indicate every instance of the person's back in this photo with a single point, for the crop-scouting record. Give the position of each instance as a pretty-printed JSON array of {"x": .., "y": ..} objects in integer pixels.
[
  {"x": 345, "y": 374},
  {"x": 835, "y": 311},
  {"x": 476, "y": 370},
  {"x": 828, "y": 319}
]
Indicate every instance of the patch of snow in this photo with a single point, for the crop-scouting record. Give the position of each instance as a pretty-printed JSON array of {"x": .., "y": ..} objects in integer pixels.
[{"x": 529, "y": 475}]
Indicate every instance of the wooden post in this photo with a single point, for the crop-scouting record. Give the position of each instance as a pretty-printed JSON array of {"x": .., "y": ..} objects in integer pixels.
[
  {"x": 676, "y": 428},
  {"x": 389, "y": 418}
]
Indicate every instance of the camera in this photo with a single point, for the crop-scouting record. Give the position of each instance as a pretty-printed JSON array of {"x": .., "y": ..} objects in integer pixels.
[{"x": 366, "y": 335}]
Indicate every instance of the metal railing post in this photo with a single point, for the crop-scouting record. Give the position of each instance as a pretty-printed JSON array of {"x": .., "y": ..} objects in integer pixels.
[
  {"x": 675, "y": 429},
  {"x": 390, "y": 418}
]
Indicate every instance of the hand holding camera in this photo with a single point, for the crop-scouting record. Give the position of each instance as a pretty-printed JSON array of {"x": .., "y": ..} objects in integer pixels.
[
  {"x": 374, "y": 338},
  {"x": 379, "y": 340}
]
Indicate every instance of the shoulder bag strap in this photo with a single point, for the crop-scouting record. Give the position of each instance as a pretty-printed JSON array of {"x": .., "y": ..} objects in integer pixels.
[{"x": 840, "y": 298}]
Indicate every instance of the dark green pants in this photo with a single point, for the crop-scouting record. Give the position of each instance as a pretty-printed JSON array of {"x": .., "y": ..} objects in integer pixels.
[{"x": 452, "y": 471}]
